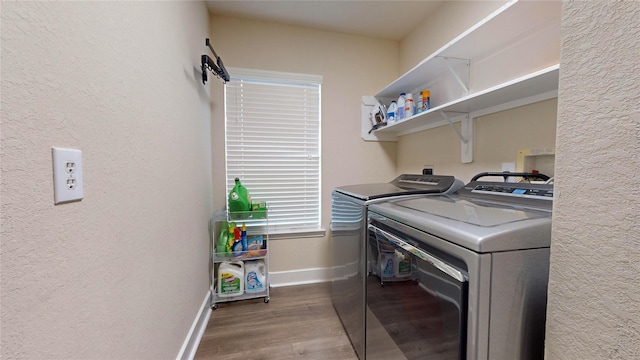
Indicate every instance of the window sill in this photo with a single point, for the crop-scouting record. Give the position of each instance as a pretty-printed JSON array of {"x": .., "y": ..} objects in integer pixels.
[{"x": 297, "y": 235}]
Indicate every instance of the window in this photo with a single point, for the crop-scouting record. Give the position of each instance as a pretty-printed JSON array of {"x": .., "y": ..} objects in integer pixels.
[{"x": 272, "y": 142}]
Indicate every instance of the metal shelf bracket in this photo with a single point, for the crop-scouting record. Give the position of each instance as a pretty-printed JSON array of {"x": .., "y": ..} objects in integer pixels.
[
  {"x": 465, "y": 134},
  {"x": 459, "y": 68}
]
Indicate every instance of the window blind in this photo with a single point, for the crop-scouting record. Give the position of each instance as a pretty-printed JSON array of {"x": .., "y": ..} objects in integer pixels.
[{"x": 272, "y": 142}]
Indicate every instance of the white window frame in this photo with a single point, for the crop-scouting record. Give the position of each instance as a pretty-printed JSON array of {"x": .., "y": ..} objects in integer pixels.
[{"x": 296, "y": 211}]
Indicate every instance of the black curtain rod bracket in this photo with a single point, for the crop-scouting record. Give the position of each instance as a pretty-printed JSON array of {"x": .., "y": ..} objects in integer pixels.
[{"x": 217, "y": 67}]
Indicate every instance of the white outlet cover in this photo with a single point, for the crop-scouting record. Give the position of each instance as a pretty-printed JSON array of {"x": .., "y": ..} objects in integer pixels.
[
  {"x": 511, "y": 167},
  {"x": 67, "y": 175}
]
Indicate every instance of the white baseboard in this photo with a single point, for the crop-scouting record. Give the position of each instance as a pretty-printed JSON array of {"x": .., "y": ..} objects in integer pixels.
[
  {"x": 190, "y": 345},
  {"x": 299, "y": 277}
]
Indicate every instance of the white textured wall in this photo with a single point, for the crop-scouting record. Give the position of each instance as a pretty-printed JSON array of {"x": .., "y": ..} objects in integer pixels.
[
  {"x": 121, "y": 274},
  {"x": 351, "y": 66},
  {"x": 594, "y": 287}
]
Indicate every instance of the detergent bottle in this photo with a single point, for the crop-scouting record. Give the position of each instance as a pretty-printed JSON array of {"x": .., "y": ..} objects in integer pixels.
[
  {"x": 223, "y": 238},
  {"x": 392, "y": 112},
  {"x": 386, "y": 264},
  {"x": 401, "y": 105},
  {"x": 236, "y": 248},
  {"x": 402, "y": 265},
  {"x": 230, "y": 237},
  {"x": 239, "y": 199},
  {"x": 231, "y": 278},
  {"x": 255, "y": 273}
]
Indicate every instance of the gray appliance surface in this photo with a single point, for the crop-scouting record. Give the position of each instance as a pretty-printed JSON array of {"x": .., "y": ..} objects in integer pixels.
[
  {"x": 498, "y": 234},
  {"x": 482, "y": 222},
  {"x": 404, "y": 184},
  {"x": 349, "y": 206},
  {"x": 481, "y": 227}
]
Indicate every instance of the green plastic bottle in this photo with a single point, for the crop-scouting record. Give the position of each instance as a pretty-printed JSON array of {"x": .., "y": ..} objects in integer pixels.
[
  {"x": 239, "y": 199},
  {"x": 230, "y": 238},
  {"x": 221, "y": 244}
]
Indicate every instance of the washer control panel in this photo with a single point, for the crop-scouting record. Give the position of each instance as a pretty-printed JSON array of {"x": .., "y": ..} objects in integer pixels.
[
  {"x": 419, "y": 179},
  {"x": 522, "y": 194},
  {"x": 515, "y": 190}
]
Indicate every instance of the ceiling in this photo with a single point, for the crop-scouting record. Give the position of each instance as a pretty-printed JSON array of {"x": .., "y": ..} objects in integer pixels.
[{"x": 392, "y": 19}]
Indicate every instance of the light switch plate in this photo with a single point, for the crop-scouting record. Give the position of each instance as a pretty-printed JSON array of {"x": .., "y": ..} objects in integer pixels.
[{"x": 67, "y": 175}]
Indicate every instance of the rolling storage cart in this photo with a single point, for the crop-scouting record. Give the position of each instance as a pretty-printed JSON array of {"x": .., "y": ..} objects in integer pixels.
[{"x": 256, "y": 224}]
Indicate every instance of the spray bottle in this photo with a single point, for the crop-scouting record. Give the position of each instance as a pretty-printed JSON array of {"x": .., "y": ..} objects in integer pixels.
[{"x": 243, "y": 237}]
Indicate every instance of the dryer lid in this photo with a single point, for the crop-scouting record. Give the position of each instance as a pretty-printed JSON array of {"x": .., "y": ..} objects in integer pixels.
[{"x": 405, "y": 184}]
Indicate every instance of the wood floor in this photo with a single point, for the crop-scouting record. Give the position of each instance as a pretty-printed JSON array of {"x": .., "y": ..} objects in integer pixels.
[{"x": 299, "y": 322}]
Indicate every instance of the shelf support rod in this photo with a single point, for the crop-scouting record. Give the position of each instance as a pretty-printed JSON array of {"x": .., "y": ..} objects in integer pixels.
[
  {"x": 465, "y": 134},
  {"x": 465, "y": 62}
]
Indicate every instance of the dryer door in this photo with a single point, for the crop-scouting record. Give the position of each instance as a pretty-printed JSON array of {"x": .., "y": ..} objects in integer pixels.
[{"x": 416, "y": 301}]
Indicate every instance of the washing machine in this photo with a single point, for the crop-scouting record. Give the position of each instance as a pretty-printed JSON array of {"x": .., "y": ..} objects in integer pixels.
[
  {"x": 348, "y": 240},
  {"x": 475, "y": 275}
]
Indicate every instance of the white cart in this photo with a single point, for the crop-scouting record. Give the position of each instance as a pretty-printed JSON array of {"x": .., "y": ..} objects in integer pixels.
[{"x": 257, "y": 228}]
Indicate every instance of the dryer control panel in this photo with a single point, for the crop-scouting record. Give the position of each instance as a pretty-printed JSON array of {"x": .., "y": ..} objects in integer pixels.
[{"x": 418, "y": 181}]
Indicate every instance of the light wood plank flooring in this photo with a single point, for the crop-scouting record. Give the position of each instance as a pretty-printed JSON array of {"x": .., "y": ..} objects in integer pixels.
[{"x": 299, "y": 322}]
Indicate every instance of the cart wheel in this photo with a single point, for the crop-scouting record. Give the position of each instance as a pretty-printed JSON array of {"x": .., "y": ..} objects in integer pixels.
[
  {"x": 214, "y": 307},
  {"x": 416, "y": 282},
  {"x": 266, "y": 300}
]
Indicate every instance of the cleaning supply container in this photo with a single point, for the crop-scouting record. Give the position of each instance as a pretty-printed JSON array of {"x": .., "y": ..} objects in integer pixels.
[
  {"x": 223, "y": 239},
  {"x": 401, "y": 104},
  {"x": 409, "y": 106},
  {"x": 386, "y": 264},
  {"x": 402, "y": 265},
  {"x": 239, "y": 198},
  {"x": 231, "y": 278},
  {"x": 255, "y": 275},
  {"x": 392, "y": 112},
  {"x": 426, "y": 100}
]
